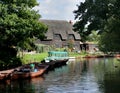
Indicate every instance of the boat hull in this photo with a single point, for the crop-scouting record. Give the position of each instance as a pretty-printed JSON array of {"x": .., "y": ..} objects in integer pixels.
[
  {"x": 55, "y": 63},
  {"x": 23, "y": 75},
  {"x": 17, "y": 73},
  {"x": 4, "y": 74}
]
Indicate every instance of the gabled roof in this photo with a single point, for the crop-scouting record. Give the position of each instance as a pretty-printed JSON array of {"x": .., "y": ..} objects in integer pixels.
[{"x": 61, "y": 27}]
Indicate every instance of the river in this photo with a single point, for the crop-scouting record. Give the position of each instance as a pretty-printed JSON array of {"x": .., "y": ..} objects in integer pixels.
[{"x": 99, "y": 75}]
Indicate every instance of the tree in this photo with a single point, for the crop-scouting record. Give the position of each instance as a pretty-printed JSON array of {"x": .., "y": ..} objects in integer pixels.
[
  {"x": 93, "y": 37},
  {"x": 71, "y": 44},
  {"x": 102, "y": 16},
  {"x": 109, "y": 40},
  {"x": 91, "y": 15},
  {"x": 19, "y": 27}
]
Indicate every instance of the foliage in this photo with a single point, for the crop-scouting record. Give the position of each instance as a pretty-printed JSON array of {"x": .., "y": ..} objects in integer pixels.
[
  {"x": 42, "y": 48},
  {"x": 102, "y": 16},
  {"x": 70, "y": 44},
  {"x": 19, "y": 27},
  {"x": 93, "y": 14},
  {"x": 8, "y": 64},
  {"x": 93, "y": 37},
  {"x": 109, "y": 41}
]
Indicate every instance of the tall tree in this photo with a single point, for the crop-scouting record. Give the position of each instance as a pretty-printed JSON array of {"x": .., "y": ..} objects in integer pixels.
[
  {"x": 110, "y": 38},
  {"x": 91, "y": 15},
  {"x": 102, "y": 16},
  {"x": 93, "y": 37},
  {"x": 19, "y": 26}
]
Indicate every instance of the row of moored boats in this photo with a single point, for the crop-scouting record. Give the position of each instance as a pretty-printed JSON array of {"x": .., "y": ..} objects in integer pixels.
[{"x": 31, "y": 70}]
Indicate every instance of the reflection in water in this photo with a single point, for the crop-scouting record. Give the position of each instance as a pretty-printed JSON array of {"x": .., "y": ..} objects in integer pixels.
[
  {"x": 80, "y": 76},
  {"x": 21, "y": 86}
]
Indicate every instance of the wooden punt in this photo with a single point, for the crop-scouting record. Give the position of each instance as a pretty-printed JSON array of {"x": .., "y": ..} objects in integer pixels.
[
  {"x": 23, "y": 72},
  {"x": 5, "y": 73}
]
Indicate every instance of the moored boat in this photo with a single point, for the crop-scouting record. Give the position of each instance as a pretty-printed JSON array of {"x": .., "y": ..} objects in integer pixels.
[
  {"x": 5, "y": 73},
  {"x": 56, "y": 58},
  {"x": 22, "y": 72},
  {"x": 2, "y": 76},
  {"x": 28, "y": 72},
  {"x": 56, "y": 55}
]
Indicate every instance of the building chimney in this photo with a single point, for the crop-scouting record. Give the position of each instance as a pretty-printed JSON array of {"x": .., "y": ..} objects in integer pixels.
[{"x": 70, "y": 22}]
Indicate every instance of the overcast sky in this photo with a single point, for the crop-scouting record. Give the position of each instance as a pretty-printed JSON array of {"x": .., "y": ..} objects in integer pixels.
[{"x": 57, "y": 9}]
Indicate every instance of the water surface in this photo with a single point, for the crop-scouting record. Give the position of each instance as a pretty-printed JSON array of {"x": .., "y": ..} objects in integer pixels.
[{"x": 80, "y": 76}]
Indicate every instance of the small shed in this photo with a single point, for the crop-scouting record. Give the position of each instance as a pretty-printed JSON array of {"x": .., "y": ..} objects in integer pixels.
[{"x": 90, "y": 47}]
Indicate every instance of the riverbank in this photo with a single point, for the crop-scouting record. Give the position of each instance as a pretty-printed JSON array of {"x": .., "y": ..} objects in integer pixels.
[{"x": 38, "y": 57}]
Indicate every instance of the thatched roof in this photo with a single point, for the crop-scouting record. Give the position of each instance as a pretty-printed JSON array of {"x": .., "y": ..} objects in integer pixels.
[{"x": 60, "y": 27}]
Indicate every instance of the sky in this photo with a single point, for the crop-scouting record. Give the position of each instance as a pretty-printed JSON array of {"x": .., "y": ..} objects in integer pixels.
[{"x": 57, "y": 9}]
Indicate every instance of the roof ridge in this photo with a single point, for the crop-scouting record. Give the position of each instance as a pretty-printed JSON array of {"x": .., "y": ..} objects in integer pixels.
[{"x": 53, "y": 20}]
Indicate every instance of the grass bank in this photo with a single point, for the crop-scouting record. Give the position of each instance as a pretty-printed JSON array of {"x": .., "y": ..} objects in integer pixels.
[{"x": 38, "y": 57}]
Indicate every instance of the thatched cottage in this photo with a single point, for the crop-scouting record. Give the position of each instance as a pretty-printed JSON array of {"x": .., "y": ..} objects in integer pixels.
[{"x": 60, "y": 34}]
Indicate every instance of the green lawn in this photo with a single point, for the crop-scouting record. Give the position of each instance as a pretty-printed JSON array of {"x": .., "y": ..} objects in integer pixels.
[{"x": 38, "y": 57}]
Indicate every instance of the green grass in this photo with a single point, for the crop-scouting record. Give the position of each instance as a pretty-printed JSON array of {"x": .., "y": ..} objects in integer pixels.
[
  {"x": 38, "y": 57},
  {"x": 75, "y": 54}
]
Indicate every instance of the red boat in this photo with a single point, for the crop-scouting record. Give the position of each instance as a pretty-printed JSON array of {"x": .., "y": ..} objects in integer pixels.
[
  {"x": 27, "y": 72},
  {"x": 24, "y": 71},
  {"x": 4, "y": 74}
]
